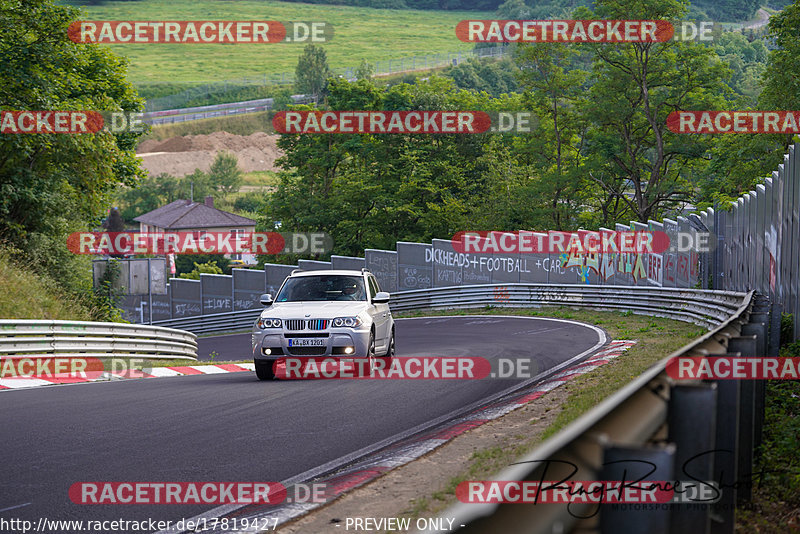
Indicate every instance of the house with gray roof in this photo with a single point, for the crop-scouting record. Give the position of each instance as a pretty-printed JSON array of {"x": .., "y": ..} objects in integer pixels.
[
  {"x": 187, "y": 216},
  {"x": 198, "y": 217}
]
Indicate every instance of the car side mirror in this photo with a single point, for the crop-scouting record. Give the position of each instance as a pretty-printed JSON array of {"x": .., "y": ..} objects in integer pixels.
[
  {"x": 266, "y": 299},
  {"x": 381, "y": 298}
]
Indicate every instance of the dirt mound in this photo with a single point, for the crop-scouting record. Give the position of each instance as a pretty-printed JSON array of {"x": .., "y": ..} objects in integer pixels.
[{"x": 180, "y": 156}]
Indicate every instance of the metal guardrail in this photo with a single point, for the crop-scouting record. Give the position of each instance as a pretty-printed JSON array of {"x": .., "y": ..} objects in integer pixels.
[
  {"x": 171, "y": 116},
  {"x": 701, "y": 307},
  {"x": 216, "y": 322},
  {"x": 23, "y": 338},
  {"x": 655, "y": 420}
]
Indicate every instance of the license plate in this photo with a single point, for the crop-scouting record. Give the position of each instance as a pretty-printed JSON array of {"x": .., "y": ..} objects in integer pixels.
[{"x": 306, "y": 342}]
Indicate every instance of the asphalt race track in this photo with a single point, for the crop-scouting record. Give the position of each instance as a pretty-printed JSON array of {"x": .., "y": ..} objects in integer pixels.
[{"x": 233, "y": 427}]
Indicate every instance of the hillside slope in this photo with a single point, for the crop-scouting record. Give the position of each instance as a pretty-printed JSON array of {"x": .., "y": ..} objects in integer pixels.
[{"x": 24, "y": 295}]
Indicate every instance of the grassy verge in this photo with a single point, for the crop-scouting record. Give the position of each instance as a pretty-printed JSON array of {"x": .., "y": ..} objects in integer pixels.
[
  {"x": 656, "y": 338},
  {"x": 411, "y": 32},
  {"x": 26, "y": 295}
]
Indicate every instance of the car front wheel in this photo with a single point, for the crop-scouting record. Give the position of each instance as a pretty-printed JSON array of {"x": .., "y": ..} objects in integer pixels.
[
  {"x": 390, "y": 351},
  {"x": 265, "y": 370}
]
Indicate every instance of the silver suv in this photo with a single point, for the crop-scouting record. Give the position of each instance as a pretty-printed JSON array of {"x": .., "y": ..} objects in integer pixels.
[{"x": 340, "y": 314}]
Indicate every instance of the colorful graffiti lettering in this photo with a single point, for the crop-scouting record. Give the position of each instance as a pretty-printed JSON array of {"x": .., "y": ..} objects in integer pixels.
[{"x": 607, "y": 265}]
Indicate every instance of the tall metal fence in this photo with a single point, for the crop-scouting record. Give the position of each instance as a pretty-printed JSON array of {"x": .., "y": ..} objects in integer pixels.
[
  {"x": 759, "y": 239},
  {"x": 381, "y": 68}
]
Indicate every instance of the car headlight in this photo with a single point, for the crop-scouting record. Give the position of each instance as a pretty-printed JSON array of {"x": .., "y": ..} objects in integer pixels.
[
  {"x": 268, "y": 322},
  {"x": 349, "y": 322}
]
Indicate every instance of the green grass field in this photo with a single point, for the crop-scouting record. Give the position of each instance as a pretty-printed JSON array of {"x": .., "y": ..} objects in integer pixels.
[{"x": 359, "y": 33}]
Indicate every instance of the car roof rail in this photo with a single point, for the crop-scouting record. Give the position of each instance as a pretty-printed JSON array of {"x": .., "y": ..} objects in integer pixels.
[
  {"x": 296, "y": 271},
  {"x": 365, "y": 270}
]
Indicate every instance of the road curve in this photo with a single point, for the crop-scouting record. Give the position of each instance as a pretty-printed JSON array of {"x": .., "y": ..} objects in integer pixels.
[{"x": 232, "y": 427}]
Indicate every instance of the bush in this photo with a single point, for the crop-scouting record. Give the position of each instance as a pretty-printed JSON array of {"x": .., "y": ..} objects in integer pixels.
[
  {"x": 787, "y": 329},
  {"x": 185, "y": 264},
  {"x": 779, "y": 448},
  {"x": 250, "y": 202},
  {"x": 210, "y": 267}
]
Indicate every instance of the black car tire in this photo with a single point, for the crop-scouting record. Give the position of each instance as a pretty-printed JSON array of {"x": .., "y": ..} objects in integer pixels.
[
  {"x": 390, "y": 350},
  {"x": 265, "y": 370}
]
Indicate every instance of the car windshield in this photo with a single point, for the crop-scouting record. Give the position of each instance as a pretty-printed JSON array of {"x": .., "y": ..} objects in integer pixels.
[{"x": 322, "y": 287}]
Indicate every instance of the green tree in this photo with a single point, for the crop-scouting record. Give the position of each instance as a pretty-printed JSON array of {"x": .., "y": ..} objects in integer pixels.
[
  {"x": 196, "y": 186},
  {"x": 637, "y": 160},
  {"x": 185, "y": 263},
  {"x": 781, "y": 84},
  {"x": 108, "y": 291},
  {"x": 312, "y": 71},
  {"x": 729, "y": 10},
  {"x": 514, "y": 10},
  {"x": 225, "y": 174},
  {"x": 485, "y": 74},
  {"x": 365, "y": 70},
  {"x": 54, "y": 184},
  {"x": 554, "y": 90},
  {"x": 739, "y": 162},
  {"x": 372, "y": 190},
  {"x": 150, "y": 193},
  {"x": 282, "y": 100},
  {"x": 114, "y": 222},
  {"x": 746, "y": 60}
]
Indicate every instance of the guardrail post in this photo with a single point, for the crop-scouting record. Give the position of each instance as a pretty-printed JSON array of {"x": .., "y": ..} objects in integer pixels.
[
  {"x": 745, "y": 346},
  {"x": 631, "y": 464},
  {"x": 759, "y": 386},
  {"x": 726, "y": 447},
  {"x": 691, "y": 420}
]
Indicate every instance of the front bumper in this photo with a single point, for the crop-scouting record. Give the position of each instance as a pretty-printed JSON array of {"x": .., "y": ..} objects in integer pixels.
[{"x": 335, "y": 341}]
